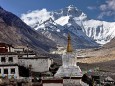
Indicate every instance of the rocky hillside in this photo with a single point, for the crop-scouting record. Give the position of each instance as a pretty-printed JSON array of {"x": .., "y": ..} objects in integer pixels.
[
  {"x": 14, "y": 31},
  {"x": 111, "y": 44}
]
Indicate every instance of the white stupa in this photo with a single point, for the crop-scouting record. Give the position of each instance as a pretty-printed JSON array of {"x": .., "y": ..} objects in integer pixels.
[{"x": 69, "y": 66}]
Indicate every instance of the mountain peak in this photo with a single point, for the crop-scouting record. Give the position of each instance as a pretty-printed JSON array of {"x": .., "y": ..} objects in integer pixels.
[
  {"x": 72, "y": 7},
  {"x": 69, "y": 11}
]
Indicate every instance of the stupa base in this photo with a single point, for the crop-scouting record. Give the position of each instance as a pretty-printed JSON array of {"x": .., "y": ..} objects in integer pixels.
[{"x": 71, "y": 71}]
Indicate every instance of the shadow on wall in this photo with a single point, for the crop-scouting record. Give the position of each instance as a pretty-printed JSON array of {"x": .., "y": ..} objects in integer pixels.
[{"x": 23, "y": 71}]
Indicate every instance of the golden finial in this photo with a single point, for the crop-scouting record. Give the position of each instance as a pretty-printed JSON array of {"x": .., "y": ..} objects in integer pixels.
[{"x": 69, "y": 47}]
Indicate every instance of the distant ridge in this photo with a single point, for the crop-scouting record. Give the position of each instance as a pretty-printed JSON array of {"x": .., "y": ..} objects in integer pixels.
[{"x": 14, "y": 31}]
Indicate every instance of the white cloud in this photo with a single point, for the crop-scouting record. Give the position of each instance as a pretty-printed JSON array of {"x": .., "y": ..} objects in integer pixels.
[
  {"x": 108, "y": 13},
  {"x": 91, "y": 7},
  {"x": 103, "y": 7},
  {"x": 108, "y": 9},
  {"x": 100, "y": 16},
  {"x": 110, "y": 4},
  {"x": 37, "y": 16}
]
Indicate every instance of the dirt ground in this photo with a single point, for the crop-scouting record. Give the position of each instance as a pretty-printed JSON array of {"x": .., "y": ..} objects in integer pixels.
[{"x": 108, "y": 68}]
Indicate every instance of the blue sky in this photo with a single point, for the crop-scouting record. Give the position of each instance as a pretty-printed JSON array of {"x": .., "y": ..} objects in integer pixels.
[{"x": 96, "y": 9}]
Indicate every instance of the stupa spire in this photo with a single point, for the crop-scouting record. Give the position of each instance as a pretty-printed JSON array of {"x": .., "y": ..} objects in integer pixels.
[{"x": 69, "y": 47}]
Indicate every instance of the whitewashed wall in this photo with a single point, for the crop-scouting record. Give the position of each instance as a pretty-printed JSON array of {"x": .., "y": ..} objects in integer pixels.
[
  {"x": 15, "y": 59},
  {"x": 32, "y": 55},
  {"x": 10, "y": 49},
  {"x": 38, "y": 65},
  {"x": 17, "y": 49}
]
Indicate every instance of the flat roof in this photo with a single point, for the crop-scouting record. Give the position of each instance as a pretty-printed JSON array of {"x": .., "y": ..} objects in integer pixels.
[
  {"x": 14, "y": 53},
  {"x": 9, "y": 53},
  {"x": 72, "y": 77},
  {"x": 33, "y": 57}
]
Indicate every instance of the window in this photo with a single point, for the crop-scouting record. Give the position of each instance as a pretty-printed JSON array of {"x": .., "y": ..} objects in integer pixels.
[
  {"x": 10, "y": 59},
  {"x": 3, "y": 59},
  {"x": 5, "y": 71},
  {"x": 12, "y": 70}
]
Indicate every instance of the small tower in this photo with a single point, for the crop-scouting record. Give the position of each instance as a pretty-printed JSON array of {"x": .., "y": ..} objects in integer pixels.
[{"x": 69, "y": 47}]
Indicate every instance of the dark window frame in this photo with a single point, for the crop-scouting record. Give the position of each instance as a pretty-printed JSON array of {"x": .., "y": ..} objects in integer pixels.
[
  {"x": 10, "y": 59},
  {"x": 5, "y": 71},
  {"x": 0, "y": 70},
  {"x": 3, "y": 59},
  {"x": 12, "y": 70}
]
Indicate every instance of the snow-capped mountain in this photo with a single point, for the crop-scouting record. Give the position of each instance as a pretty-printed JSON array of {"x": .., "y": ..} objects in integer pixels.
[
  {"x": 101, "y": 31},
  {"x": 56, "y": 25}
]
